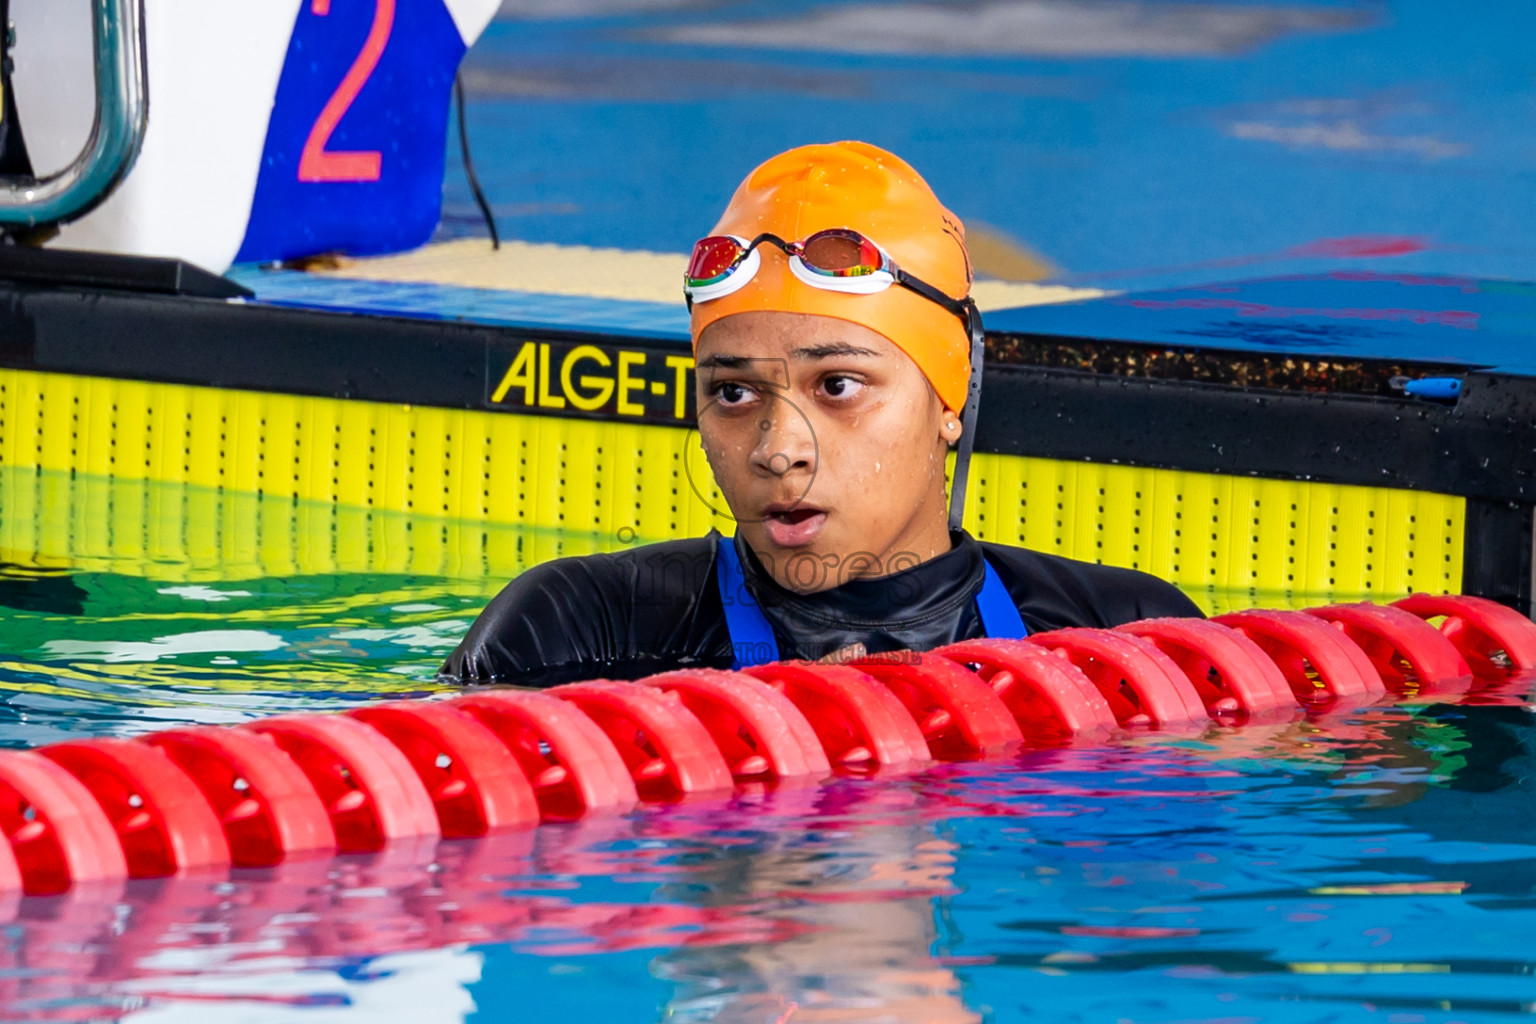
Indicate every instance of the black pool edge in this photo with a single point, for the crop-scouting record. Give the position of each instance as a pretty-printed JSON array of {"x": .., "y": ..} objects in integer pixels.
[{"x": 1482, "y": 447}]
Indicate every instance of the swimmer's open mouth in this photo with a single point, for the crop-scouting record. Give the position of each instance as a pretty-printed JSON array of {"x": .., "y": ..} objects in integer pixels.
[
  {"x": 793, "y": 515},
  {"x": 793, "y": 525}
]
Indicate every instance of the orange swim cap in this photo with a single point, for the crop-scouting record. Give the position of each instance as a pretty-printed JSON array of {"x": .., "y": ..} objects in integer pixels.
[{"x": 859, "y": 186}]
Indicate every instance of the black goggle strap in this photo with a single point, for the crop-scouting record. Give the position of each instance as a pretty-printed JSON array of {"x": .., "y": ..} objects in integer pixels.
[
  {"x": 967, "y": 417},
  {"x": 962, "y": 308}
]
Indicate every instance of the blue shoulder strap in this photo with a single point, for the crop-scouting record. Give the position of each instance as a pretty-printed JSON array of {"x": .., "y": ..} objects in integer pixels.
[
  {"x": 752, "y": 639},
  {"x": 999, "y": 615}
]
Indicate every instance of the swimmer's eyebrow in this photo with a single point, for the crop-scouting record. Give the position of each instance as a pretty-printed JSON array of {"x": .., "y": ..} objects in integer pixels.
[
  {"x": 725, "y": 362},
  {"x": 829, "y": 351}
]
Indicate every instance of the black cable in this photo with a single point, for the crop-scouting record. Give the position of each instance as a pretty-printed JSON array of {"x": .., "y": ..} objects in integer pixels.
[{"x": 469, "y": 164}]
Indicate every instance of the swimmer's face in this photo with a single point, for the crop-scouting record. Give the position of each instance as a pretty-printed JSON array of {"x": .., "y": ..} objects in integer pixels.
[{"x": 828, "y": 444}]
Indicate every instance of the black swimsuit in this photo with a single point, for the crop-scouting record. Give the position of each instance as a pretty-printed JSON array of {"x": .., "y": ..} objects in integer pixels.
[{"x": 658, "y": 607}]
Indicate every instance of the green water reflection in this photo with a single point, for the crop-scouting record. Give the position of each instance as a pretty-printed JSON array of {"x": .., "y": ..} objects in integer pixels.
[{"x": 126, "y": 606}]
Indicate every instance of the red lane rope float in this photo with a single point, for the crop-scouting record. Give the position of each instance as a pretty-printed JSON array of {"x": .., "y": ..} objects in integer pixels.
[
  {"x": 56, "y": 829},
  {"x": 1404, "y": 648},
  {"x": 758, "y": 730},
  {"x": 959, "y": 714},
  {"x": 1141, "y": 683},
  {"x": 1229, "y": 671},
  {"x": 572, "y": 764},
  {"x": 161, "y": 818},
  {"x": 667, "y": 750},
  {"x": 368, "y": 787},
  {"x": 1481, "y": 629},
  {"x": 10, "y": 868},
  {"x": 1049, "y": 698},
  {"x": 475, "y": 785},
  {"x": 860, "y": 724},
  {"x": 267, "y": 807},
  {"x": 1319, "y": 662}
]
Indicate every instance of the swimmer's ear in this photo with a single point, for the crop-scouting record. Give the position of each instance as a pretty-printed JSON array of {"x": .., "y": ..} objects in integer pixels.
[{"x": 949, "y": 427}]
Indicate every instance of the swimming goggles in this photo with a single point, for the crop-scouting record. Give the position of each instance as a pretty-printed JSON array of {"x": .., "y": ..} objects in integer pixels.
[{"x": 834, "y": 260}]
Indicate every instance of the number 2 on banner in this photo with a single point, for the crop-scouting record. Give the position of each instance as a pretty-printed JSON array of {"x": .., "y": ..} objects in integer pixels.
[{"x": 316, "y": 163}]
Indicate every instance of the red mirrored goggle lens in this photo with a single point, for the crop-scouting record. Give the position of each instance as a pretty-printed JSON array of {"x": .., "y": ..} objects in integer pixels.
[
  {"x": 841, "y": 254},
  {"x": 713, "y": 258}
]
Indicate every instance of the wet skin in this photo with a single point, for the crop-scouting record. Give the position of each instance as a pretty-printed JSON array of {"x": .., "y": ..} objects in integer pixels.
[{"x": 828, "y": 444}]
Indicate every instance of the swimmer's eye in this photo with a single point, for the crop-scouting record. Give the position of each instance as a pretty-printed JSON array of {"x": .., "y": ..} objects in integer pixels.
[
  {"x": 731, "y": 393},
  {"x": 841, "y": 387}
]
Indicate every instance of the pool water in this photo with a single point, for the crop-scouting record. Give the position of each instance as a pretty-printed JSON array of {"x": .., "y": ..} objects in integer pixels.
[
  {"x": 1130, "y": 146},
  {"x": 1373, "y": 866}
]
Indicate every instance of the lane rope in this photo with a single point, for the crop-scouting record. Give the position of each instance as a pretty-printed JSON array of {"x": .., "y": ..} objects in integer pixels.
[{"x": 264, "y": 792}]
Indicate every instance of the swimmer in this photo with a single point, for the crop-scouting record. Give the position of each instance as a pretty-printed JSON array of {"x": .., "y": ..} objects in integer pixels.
[{"x": 835, "y": 344}]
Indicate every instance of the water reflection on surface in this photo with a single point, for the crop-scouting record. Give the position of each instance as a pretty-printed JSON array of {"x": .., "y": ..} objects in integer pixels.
[{"x": 1341, "y": 870}]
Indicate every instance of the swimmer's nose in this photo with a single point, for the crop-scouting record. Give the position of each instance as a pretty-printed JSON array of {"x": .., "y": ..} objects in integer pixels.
[{"x": 785, "y": 441}]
